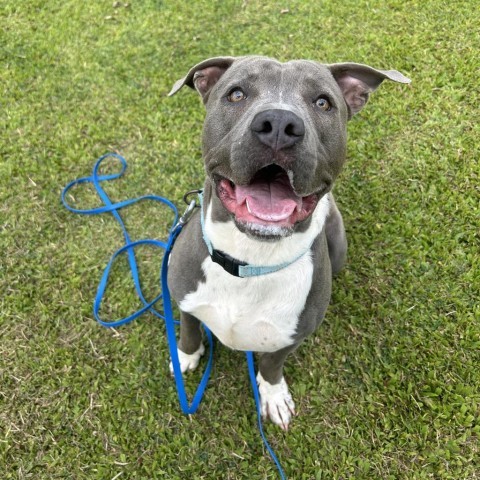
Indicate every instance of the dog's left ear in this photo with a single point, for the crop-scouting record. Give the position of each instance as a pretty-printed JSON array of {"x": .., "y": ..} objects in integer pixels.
[
  {"x": 204, "y": 76},
  {"x": 357, "y": 81}
]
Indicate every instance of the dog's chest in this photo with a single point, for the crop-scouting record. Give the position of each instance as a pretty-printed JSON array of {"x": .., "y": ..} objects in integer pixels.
[{"x": 257, "y": 313}]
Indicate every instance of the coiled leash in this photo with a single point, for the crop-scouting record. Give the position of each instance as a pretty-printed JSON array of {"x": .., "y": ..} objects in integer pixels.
[{"x": 129, "y": 248}]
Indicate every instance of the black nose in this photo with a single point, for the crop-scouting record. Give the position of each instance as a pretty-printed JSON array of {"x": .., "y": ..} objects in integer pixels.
[{"x": 277, "y": 128}]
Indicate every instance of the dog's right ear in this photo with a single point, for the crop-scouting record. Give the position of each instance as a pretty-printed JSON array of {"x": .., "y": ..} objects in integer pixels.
[
  {"x": 204, "y": 76},
  {"x": 357, "y": 81}
]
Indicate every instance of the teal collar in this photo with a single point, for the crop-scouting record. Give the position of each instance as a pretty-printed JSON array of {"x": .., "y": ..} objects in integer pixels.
[{"x": 236, "y": 267}]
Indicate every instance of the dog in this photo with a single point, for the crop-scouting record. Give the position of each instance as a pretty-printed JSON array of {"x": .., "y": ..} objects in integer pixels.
[{"x": 255, "y": 263}]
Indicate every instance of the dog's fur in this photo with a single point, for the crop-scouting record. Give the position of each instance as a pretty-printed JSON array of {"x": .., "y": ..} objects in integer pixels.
[{"x": 274, "y": 141}]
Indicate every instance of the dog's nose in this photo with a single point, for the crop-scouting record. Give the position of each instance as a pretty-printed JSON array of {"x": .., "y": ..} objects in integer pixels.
[{"x": 277, "y": 128}]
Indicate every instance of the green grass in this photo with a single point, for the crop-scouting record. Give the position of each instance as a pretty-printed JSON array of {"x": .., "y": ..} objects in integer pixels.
[{"x": 388, "y": 388}]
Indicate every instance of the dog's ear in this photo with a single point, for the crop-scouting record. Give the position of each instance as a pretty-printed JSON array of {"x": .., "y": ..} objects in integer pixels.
[
  {"x": 357, "y": 81},
  {"x": 204, "y": 76}
]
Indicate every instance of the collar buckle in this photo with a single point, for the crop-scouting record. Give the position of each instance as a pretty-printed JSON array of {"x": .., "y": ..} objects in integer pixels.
[{"x": 228, "y": 263}]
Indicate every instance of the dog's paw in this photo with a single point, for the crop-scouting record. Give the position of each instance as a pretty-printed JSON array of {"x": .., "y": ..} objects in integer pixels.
[
  {"x": 189, "y": 361},
  {"x": 276, "y": 402}
]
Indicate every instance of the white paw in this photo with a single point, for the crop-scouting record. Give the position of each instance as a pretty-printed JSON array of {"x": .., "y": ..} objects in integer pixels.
[
  {"x": 276, "y": 402},
  {"x": 189, "y": 361}
]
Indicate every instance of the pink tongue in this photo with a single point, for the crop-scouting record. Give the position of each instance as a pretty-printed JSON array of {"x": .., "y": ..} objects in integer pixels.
[{"x": 269, "y": 201}]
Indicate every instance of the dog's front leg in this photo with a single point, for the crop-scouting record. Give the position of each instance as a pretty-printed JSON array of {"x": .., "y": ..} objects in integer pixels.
[
  {"x": 275, "y": 399},
  {"x": 190, "y": 346}
]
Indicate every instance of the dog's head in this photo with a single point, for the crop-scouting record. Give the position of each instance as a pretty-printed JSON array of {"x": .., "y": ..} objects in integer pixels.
[{"x": 274, "y": 138}]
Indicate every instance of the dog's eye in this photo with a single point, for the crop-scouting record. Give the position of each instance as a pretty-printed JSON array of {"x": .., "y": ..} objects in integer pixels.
[
  {"x": 236, "y": 95},
  {"x": 323, "y": 104}
]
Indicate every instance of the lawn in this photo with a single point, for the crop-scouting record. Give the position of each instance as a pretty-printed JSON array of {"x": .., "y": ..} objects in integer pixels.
[{"x": 388, "y": 388}]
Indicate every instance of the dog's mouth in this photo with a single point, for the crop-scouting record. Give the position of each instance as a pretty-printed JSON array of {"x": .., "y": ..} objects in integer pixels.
[{"x": 269, "y": 200}]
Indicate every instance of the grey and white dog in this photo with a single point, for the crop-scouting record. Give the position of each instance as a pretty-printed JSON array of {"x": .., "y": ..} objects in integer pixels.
[{"x": 256, "y": 265}]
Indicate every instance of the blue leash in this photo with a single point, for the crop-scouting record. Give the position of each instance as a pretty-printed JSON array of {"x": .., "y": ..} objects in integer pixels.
[{"x": 95, "y": 179}]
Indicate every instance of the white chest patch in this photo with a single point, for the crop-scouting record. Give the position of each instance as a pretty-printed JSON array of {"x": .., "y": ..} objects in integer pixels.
[{"x": 257, "y": 313}]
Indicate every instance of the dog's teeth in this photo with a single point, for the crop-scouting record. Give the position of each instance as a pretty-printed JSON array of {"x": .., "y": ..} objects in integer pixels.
[{"x": 248, "y": 207}]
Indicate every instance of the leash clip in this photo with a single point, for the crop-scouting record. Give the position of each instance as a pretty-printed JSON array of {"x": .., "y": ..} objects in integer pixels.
[
  {"x": 187, "y": 214},
  {"x": 189, "y": 194},
  {"x": 192, "y": 205}
]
